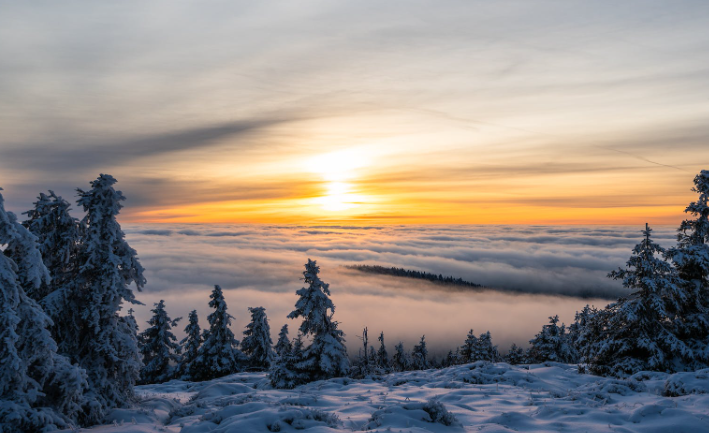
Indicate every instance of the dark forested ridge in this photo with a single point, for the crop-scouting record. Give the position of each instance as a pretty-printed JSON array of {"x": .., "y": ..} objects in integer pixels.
[{"x": 401, "y": 272}]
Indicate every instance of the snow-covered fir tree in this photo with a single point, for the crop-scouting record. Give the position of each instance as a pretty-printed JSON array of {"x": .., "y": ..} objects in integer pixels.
[
  {"x": 39, "y": 389},
  {"x": 93, "y": 335},
  {"x": 283, "y": 345},
  {"x": 160, "y": 349},
  {"x": 400, "y": 360},
  {"x": 434, "y": 362},
  {"x": 639, "y": 333},
  {"x": 485, "y": 350},
  {"x": 257, "y": 343},
  {"x": 382, "y": 354},
  {"x": 190, "y": 347},
  {"x": 419, "y": 355},
  {"x": 219, "y": 354},
  {"x": 454, "y": 358},
  {"x": 372, "y": 357},
  {"x": 132, "y": 324},
  {"x": 449, "y": 360},
  {"x": 584, "y": 331},
  {"x": 691, "y": 258},
  {"x": 469, "y": 348},
  {"x": 284, "y": 373},
  {"x": 59, "y": 236},
  {"x": 326, "y": 356},
  {"x": 551, "y": 344},
  {"x": 515, "y": 355}
]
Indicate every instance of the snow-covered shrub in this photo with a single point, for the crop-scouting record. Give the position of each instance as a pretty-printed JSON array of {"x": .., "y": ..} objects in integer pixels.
[
  {"x": 301, "y": 418},
  {"x": 436, "y": 411},
  {"x": 679, "y": 384}
]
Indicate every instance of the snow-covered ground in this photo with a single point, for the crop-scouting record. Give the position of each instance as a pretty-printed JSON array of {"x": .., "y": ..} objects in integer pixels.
[{"x": 475, "y": 397}]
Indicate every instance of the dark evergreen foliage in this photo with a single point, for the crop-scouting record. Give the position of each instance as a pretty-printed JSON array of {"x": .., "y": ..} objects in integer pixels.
[{"x": 160, "y": 349}]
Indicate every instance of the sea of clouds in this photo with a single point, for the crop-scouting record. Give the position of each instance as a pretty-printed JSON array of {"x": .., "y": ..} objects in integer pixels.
[{"x": 532, "y": 272}]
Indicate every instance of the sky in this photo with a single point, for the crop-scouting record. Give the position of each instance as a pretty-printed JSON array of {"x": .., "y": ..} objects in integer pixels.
[
  {"x": 531, "y": 273},
  {"x": 321, "y": 112}
]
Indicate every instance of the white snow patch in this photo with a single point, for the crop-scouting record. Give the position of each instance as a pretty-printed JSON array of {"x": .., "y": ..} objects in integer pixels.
[{"x": 474, "y": 397}]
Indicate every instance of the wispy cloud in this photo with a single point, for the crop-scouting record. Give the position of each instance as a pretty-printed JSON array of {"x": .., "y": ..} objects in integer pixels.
[{"x": 90, "y": 155}]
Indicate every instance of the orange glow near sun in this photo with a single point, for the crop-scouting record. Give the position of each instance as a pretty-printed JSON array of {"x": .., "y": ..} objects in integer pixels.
[{"x": 338, "y": 174}]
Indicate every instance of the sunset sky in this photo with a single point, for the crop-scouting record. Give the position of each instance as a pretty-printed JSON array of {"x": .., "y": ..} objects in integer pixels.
[{"x": 310, "y": 112}]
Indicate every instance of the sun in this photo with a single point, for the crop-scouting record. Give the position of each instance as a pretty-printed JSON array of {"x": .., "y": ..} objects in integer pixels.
[{"x": 338, "y": 171}]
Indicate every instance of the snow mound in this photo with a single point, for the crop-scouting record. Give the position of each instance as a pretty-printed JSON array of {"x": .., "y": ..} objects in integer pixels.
[
  {"x": 223, "y": 389},
  {"x": 687, "y": 383}
]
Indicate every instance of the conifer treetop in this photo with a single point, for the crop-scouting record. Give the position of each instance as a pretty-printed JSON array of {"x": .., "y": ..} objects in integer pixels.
[{"x": 314, "y": 302}]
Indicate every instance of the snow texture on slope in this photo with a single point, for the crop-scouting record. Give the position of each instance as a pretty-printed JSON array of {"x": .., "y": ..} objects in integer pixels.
[{"x": 474, "y": 397}]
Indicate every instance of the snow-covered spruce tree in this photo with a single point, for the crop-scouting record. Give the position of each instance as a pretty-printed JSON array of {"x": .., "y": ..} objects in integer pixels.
[
  {"x": 160, "y": 349},
  {"x": 485, "y": 350},
  {"x": 219, "y": 354},
  {"x": 594, "y": 332},
  {"x": 326, "y": 356},
  {"x": 419, "y": 355},
  {"x": 515, "y": 355},
  {"x": 551, "y": 344},
  {"x": 93, "y": 335},
  {"x": 283, "y": 373},
  {"x": 39, "y": 389},
  {"x": 373, "y": 358},
  {"x": 584, "y": 331},
  {"x": 449, "y": 360},
  {"x": 469, "y": 348},
  {"x": 283, "y": 345},
  {"x": 382, "y": 355},
  {"x": 456, "y": 357},
  {"x": 400, "y": 360},
  {"x": 639, "y": 334},
  {"x": 190, "y": 347},
  {"x": 691, "y": 259},
  {"x": 131, "y": 323},
  {"x": 257, "y": 343},
  {"x": 59, "y": 236}
]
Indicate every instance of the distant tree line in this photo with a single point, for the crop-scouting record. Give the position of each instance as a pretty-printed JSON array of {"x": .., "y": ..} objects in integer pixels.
[{"x": 408, "y": 273}]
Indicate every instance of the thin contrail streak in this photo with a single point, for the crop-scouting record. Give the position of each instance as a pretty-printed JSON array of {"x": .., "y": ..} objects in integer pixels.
[{"x": 639, "y": 157}]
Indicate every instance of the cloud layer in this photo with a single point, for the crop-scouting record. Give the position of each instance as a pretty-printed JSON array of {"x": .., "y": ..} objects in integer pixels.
[{"x": 262, "y": 265}]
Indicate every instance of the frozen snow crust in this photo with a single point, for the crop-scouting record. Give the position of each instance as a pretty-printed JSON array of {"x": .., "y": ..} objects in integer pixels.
[{"x": 487, "y": 397}]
